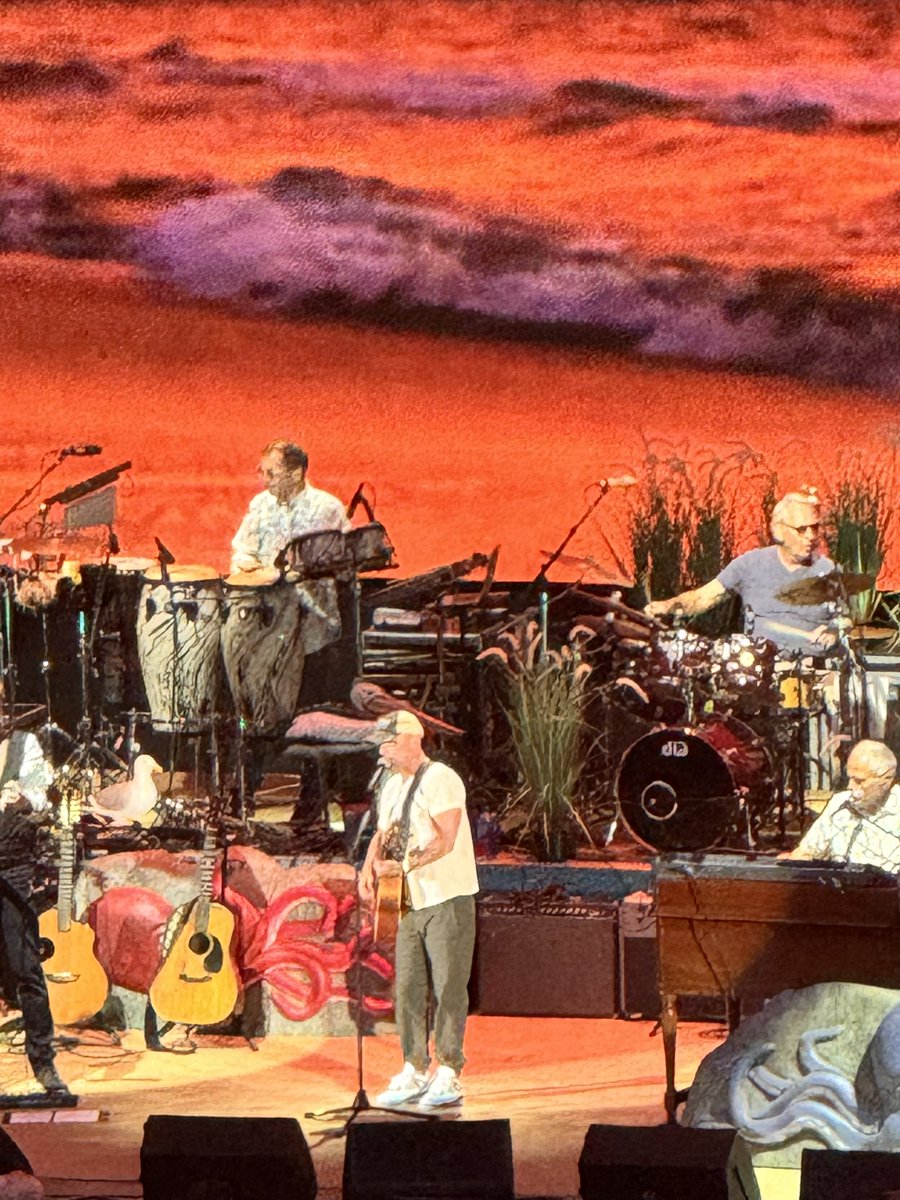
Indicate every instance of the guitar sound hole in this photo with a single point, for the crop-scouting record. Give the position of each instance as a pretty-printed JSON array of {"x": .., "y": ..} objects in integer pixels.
[
  {"x": 46, "y": 949},
  {"x": 199, "y": 944}
]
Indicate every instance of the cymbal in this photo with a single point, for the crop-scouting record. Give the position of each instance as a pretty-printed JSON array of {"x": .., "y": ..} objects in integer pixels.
[
  {"x": 874, "y": 633},
  {"x": 128, "y": 564},
  {"x": 818, "y": 589},
  {"x": 183, "y": 573}
]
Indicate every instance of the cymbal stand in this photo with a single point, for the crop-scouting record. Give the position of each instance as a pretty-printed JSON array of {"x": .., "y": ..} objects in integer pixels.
[
  {"x": 87, "y": 746},
  {"x": 49, "y": 727}
]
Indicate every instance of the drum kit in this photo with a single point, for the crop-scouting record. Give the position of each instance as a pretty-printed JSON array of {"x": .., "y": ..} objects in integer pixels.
[
  {"x": 741, "y": 728},
  {"x": 155, "y": 641}
]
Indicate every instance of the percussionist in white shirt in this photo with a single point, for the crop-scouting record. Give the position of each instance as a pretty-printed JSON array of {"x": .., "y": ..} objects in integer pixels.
[{"x": 288, "y": 508}]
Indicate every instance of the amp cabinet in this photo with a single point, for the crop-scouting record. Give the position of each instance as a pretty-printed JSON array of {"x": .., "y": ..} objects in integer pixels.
[{"x": 540, "y": 954}]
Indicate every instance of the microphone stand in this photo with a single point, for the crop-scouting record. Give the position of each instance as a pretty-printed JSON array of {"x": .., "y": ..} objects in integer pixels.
[
  {"x": 540, "y": 580},
  {"x": 29, "y": 492},
  {"x": 361, "y": 1103}
]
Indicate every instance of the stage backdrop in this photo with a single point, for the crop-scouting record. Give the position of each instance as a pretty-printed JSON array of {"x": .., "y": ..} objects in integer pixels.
[{"x": 474, "y": 253}]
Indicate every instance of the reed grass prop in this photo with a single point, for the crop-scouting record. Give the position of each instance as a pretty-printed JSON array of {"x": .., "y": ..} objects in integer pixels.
[
  {"x": 858, "y": 517},
  {"x": 543, "y": 695}
]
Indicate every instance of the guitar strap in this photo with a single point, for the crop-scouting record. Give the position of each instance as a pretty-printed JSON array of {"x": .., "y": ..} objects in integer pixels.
[{"x": 406, "y": 813}]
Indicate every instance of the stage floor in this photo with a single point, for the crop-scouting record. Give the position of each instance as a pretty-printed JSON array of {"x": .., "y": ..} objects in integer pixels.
[{"x": 552, "y": 1077}]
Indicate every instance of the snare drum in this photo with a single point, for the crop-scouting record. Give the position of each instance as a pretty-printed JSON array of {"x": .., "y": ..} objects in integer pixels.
[
  {"x": 178, "y": 631},
  {"x": 262, "y": 645}
]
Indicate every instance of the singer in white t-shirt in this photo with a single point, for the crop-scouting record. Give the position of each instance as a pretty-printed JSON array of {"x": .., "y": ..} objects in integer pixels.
[{"x": 423, "y": 834}]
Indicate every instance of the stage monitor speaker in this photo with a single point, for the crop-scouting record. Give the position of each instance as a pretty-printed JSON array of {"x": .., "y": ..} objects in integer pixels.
[
  {"x": 662, "y": 1162},
  {"x": 435, "y": 1160},
  {"x": 11, "y": 1157},
  {"x": 849, "y": 1175},
  {"x": 226, "y": 1158}
]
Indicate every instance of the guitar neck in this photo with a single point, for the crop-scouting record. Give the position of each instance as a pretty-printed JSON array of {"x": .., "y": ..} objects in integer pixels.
[
  {"x": 66, "y": 878},
  {"x": 207, "y": 870}
]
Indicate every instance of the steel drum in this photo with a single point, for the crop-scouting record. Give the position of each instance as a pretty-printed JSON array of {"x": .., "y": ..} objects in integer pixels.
[
  {"x": 262, "y": 646},
  {"x": 370, "y": 548},
  {"x": 314, "y": 555},
  {"x": 178, "y": 629},
  {"x": 684, "y": 788}
]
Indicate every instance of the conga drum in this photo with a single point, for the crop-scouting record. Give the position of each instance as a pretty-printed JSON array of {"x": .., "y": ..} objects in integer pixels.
[
  {"x": 262, "y": 646},
  {"x": 178, "y": 631}
]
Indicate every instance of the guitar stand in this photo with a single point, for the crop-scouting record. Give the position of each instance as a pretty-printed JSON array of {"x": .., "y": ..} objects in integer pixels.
[{"x": 361, "y": 1103}]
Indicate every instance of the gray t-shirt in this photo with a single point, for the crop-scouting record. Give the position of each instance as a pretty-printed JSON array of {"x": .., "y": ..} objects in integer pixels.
[{"x": 757, "y": 577}]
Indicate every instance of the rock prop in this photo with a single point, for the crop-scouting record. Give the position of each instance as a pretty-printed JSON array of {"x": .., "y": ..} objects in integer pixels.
[{"x": 816, "y": 1067}]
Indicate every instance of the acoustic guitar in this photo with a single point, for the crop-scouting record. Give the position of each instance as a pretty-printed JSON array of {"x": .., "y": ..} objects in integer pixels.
[
  {"x": 77, "y": 985},
  {"x": 197, "y": 983},
  {"x": 389, "y": 909}
]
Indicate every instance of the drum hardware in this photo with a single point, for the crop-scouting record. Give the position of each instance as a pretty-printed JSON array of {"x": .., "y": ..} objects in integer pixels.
[{"x": 7, "y": 660}]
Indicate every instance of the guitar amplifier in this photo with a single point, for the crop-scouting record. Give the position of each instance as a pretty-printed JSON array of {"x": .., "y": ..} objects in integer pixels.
[{"x": 544, "y": 954}]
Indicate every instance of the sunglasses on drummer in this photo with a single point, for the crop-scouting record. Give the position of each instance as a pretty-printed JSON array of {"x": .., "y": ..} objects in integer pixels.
[{"x": 814, "y": 528}]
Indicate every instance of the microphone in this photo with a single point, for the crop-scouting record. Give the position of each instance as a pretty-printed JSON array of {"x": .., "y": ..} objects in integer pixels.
[
  {"x": 622, "y": 481},
  {"x": 80, "y": 451},
  {"x": 166, "y": 557}
]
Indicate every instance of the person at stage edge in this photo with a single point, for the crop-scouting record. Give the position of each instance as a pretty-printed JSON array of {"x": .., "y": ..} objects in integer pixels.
[
  {"x": 862, "y": 824},
  {"x": 24, "y": 777},
  {"x": 758, "y": 577},
  {"x": 423, "y": 833},
  {"x": 288, "y": 508}
]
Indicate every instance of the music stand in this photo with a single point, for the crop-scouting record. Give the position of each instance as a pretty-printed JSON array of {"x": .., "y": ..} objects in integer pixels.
[{"x": 360, "y": 1103}]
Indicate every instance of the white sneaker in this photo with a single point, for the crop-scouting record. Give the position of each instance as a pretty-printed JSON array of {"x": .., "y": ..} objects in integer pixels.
[
  {"x": 408, "y": 1085},
  {"x": 444, "y": 1088}
]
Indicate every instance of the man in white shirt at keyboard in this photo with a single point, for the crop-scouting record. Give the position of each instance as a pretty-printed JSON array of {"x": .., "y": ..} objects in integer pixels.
[{"x": 862, "y": 824}]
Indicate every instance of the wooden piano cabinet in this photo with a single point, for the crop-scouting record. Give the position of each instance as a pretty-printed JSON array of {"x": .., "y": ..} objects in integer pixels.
[{"x": 751, "y": 929}]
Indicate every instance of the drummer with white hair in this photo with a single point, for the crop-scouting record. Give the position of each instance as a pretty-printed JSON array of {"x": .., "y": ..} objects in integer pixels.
[
  {"x": 862, "y": 824},
  {"x": 761, "y": 575}
]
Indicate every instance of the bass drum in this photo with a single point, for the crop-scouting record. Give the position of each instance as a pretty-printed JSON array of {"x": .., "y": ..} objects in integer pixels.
[{"x": 684, "y": 788}]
